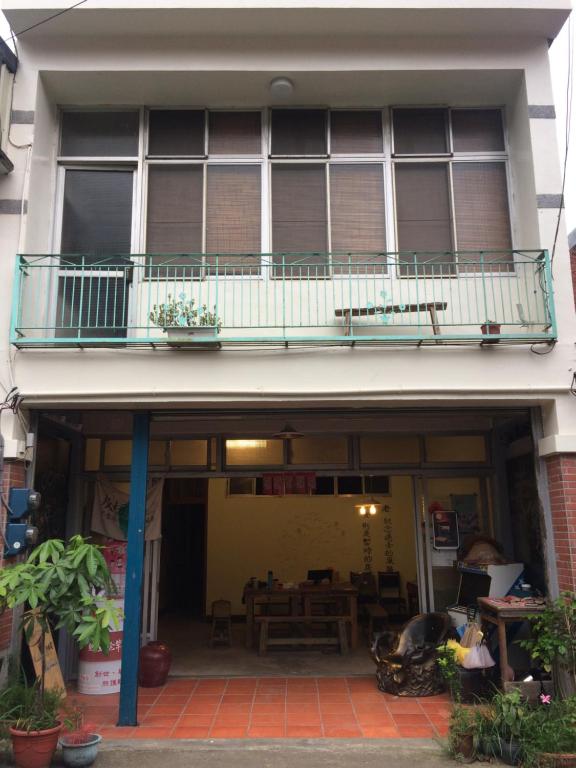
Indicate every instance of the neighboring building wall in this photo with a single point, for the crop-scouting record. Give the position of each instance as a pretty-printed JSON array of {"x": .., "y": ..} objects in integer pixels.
[
  {"x": 13, "y": 476},
  {"x": 562, "y": 484},
  {"x": 572, "y": 245}
]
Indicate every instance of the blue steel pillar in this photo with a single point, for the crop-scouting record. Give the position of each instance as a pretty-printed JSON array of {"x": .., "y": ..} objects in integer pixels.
[{"x": 134, "y": 567}]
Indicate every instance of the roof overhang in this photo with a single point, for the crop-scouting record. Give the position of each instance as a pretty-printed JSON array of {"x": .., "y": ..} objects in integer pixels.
[{"x": 536, "y": 18}]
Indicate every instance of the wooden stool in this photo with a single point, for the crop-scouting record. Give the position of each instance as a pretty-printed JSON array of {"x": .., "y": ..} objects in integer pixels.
[{"x": 221, "y": 623}]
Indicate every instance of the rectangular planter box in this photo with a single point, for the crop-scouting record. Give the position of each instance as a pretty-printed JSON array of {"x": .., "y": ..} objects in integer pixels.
[{"x": 193, "y": 337}]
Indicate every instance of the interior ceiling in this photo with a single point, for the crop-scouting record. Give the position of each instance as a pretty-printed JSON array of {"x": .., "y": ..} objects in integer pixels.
[{"x": 266, "y": 422}]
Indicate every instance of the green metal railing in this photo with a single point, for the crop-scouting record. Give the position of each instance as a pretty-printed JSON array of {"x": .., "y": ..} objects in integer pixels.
[{"x": 207, "y": 300}]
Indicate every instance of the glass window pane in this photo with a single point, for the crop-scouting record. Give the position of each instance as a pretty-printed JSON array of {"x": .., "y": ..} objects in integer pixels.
[
  {"x": 423, "y": 211},
  {"x": 482, "y": 214},
  {"x": 173, "y": 132},
  {"x": 357, "y": 217},
  {"x": 319, "y": 450},
  {"x": 97, "y": 215},
  {"x": 92, "y": 454},
  {"x": 174, "y": 216},
  {"x": 324, "y": 486},
  {"x": 241, "y": 486},
  {"x": 393, "y": 449},
  {"x": 457, "y": 448},
  {"x": 349, "y": 485},
  {"x": 235, "y": 133},
  {"x": 355, "y": 132},
  {"x": 420, "y": 131},
  {"x": 188, "y": 453},
  {"x": 100, "y": 134},
  {"x": 377, "y": 484},
  {"x": 117, "y": 453},
  {"x": 233, "y": 222},
  {"x": 254, "y": 452},
  {"x": 477, "y": 130},
  {"x": 157, "y": 453},
  {"x": 299, "y": 132},
  {"x": 299, "y": 217}
]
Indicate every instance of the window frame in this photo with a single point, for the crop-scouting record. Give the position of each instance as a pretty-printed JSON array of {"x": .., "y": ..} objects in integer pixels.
[{"x": 387, "y": 159}]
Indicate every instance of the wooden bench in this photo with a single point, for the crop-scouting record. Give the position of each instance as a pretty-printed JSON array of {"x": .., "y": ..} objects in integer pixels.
[
  {"x": 375, "y": 613},
  {"x": 432, "y": 307},
  {"x": 266, "y": 641}
]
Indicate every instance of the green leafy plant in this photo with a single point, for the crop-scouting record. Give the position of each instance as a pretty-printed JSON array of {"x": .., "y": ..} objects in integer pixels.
[
  {"x": 450, "y": 670},
  {"x": 462, "y": 742},
  {"x": 26, "y": 709},
  {"x": 59, "y": 586},
  {"x": 553, "y": 636},
  {"x": 549, "y": 729},
  {"x": 183, "y": 313}
]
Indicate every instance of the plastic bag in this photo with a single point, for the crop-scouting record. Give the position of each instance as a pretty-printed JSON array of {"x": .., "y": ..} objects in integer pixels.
[{"x": 479, "y": 657}]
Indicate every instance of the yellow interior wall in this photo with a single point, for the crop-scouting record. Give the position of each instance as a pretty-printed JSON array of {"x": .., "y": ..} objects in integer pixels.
[{"x": 247, "y": 536}]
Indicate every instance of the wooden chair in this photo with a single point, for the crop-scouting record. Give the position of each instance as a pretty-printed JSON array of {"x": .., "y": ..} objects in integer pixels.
[
  {"x": 221, "y": 623},
  {"x": 390, "y": 592}
]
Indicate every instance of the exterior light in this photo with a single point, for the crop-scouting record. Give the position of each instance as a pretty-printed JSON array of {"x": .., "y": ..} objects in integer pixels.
[
  {"x": 288, "y": 433},
  {"x": 281, "y": 87}
]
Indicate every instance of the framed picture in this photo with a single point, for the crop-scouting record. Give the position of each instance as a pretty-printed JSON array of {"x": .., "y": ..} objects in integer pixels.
[{"x": 445, "y": 529}]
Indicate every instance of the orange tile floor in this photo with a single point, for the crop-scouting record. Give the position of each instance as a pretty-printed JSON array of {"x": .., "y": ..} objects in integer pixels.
[{"x": 307, "y": 707}]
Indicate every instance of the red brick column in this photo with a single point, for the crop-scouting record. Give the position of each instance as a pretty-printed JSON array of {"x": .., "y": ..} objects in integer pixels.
[
  {"x": 562, "y": 485},
  {"x": 14, "y": 476}
]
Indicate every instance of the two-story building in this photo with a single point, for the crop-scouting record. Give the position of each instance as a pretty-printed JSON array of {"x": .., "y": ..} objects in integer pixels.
[{"x": 288, "y": 260}]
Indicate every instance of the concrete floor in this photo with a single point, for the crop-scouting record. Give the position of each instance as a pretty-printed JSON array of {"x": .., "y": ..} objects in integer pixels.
[
  {"x": 192, "y": 655},
  {"x": 387, "y": 753}
]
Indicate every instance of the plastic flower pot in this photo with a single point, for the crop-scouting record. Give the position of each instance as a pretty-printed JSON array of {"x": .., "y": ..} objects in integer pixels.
[
  {"x": 34, "y": 749},
  {"x": 77, "y": 755},
  {"x": 490, "y": 329},
  {"x": 198, "y": 336}
]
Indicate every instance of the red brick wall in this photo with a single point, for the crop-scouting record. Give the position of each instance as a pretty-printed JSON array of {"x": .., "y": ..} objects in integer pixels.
[
  {"x": 562, "y": 484},
  {"x": 14, "y": 476}
]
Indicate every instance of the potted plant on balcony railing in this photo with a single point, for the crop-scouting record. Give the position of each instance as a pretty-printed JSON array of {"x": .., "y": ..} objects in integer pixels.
[
  {"x": 490, "y": 328},
  {"x": 184, "y": 322}
]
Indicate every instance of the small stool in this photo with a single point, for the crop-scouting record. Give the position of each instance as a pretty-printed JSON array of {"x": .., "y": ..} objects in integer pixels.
[
  {"x": 375, "y": 613},
  {"x": 221, "y": 623}
]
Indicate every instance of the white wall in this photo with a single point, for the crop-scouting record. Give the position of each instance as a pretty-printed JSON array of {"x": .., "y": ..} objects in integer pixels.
[{"x": 339, "y": 71}]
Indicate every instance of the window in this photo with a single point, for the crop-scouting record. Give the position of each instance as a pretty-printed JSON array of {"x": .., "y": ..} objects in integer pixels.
[
  {"x": 99, "y": 134},
  {"x": 459, "y": 203},
  {"x": 202, "y": 210},
  {"x": 333, "y": 205}
]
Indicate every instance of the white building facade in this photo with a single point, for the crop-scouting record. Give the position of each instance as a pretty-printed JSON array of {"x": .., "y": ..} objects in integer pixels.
[{"x": 350, "y": 208}]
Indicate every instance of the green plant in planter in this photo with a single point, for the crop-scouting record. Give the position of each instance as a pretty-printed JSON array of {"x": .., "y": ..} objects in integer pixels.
[
  {"x": 183, "y": 313},
  {"x": 550, "y": 729},
  {"x": 58, "y": 585},
  {"x": 462, "y": 734},
  {"x": 553, "y": 639},
  {"x": 22, "y": 707},
  {"x": 505, "y": 726},
  {"x": 449, "y": 669}
]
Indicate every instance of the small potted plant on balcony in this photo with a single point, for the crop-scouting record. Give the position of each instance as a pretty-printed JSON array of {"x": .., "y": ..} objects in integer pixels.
[
  {"x": 490, "y": 328},
  {"x": 184, "y": 323},
  {"x": 59, "y": 586}
]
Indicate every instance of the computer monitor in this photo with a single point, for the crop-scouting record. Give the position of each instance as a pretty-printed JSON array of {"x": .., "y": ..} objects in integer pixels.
[
  {"x": 320, "y": 575},
  {"x": 472, "y": 586}
]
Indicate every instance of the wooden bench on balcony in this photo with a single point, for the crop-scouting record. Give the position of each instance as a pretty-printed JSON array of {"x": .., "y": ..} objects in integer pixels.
[{"x": 432, "y": 307}]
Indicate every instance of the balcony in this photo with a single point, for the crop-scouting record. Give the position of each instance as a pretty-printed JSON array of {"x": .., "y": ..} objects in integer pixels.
[{"x": 206, "y": 301}]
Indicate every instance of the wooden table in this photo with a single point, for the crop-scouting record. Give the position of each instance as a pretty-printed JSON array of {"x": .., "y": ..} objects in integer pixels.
[
  {"x": 301, "y": 601},
  {"x": 500, "y": 613}
]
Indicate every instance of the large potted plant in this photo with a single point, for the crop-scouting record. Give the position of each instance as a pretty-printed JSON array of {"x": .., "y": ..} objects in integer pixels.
[
  {"x": 185, "y": 323},
  {"x": 60, "y": 586},
  {"x": 552, "y": 644}
]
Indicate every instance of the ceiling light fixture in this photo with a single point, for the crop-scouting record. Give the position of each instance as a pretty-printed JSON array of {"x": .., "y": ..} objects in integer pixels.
[
  {"x": 281, "y": 87},
  {"x": 288, "y": 433}
]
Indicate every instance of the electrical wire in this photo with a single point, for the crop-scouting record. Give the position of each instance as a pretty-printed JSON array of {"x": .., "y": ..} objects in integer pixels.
[
  {"x": 568, "y": 128},
  {"x": 44, "y": 21}
]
